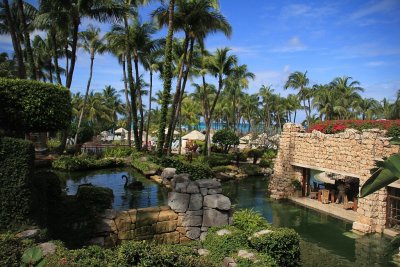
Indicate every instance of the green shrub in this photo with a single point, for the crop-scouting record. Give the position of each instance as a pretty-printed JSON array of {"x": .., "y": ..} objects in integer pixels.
[
  {"x": 92, "y": 256},
  {"x": 32, "y": 106},
  {"x": 393, "y": 131},
  {"x": 144, "y": 166},
  {"x": 196, "y": 170},
  {"x": 255, "y": 154},
  {"x": 282, "y": 244},
  {"x": 249, "y": 220},
  {"x": 225, "y": 139},
  {"x": 251, "y": 170},
  {"x": 118, "y": 152},
  {"x": 53, "y": 144},
  {"x": 262, "y": 260},
  {"x": 11, "y": 249},
  {"x": 225, "y": 245},
  {"x": 84, "y": 162},
  {"x": 16, "y": 170},
  {"x": 221, "y": 168},
  {"x": 33, "y": 257},
  {"x": 134, "y": 253},
  {"x": 95, "y": 197},
  {"x": 267, "y": 158},
  {"x": 217, "y": 159}
]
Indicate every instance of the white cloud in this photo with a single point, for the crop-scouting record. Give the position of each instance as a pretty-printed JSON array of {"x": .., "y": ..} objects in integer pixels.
[
  {"x": 369, "y": 49},
  {"x": 381, "y": 6},
  {"x": 275, "y": 78},
  {"x": 293, "y": 45},
  {"x": 307, "y": 11},
  {"x": 375, "y": 63}
]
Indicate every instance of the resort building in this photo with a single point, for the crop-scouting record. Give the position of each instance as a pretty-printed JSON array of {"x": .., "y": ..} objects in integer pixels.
[{"x": 331, "y": 168}]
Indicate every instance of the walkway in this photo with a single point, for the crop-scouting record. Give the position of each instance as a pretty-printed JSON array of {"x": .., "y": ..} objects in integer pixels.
[{"x": 335, "y": 210}]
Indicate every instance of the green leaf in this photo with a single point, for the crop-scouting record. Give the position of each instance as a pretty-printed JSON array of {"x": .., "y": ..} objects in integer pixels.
[
  {"x": 32, "y": 255},
  {"x": 385, "y": 175}
]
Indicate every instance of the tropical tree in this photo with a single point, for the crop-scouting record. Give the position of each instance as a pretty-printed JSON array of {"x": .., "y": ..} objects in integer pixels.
[
  {"x": 298, "y": 80},
  {"x": 92, "y": 43},
  {"x": 167, "y": 77}
]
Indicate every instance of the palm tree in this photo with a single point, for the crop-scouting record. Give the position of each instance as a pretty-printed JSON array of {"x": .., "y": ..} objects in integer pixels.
[
  {"x": 220, "y": 65},
  {"x": 250, "y": 108},
  {"x": 196, "y": 19},
  {"x": 93, "y": 44},
  {"x": 151, "y": 62},
  {"x": 299, "y": 80},
  {"x": 9, "y": 26},
  {"x": 116, "y": 45},
  {"x": 167, "y": 77},
  {"x": 349, "y": 92},
  {"x": 266, "y": 93},
  {"x": 367, "y": 107}
]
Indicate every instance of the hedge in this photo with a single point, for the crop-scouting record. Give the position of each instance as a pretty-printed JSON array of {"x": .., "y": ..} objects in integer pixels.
[
  {"x": 16, "y": 170},
  {"x": 197, "y": 170},
  {"x": 32, "y": 106},
  {"x": 84, "y": 162},
  {"x": 337, "y": 126}
]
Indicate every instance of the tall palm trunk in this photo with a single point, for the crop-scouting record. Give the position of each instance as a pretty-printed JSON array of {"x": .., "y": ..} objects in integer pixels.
[
  {"x": 139, "y": 96},
  {"x": 14, "y": 39},
  {"x": 55, "y": 56},
  {"x": 206, "y": 114},
  {"x": 85, "y": 99},
  {"x": 211, "y": 114},
  {"x": 128, "y": 107},
  {"x": 167, "y": 78},
  {"x": 131, "y": 85},
  {"x": 181, "y": 68},
  {"x": 27, "y": 40},
  {"x": 182, "y": 91},
  {"x": 149, "y": 114},
  {"x": 73, "y": 52},
  {"x": 295, "y": 113},
  {"x": 66, "y": 61}
]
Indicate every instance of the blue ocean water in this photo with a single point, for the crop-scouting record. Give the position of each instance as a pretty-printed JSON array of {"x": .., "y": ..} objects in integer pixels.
[{"x": 243, "y": 127}]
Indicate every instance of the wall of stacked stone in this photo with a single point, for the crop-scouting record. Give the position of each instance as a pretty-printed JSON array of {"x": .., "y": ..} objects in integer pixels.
[
  {"x": 193, "y": 207},
  {"x": 351, "y": 152}
]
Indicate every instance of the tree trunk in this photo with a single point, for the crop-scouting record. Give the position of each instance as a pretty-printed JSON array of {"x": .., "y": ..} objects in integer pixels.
[
  {"x": 84, "y": 100},
  {"x": 73, "y": 52},
  {"x": 131, "y": 85},
  {"x": 139, "y": 97},
  {"x": 294, "y": 119},
  {"x": 14, "y": 39},
  {"x": 149, "y": 114},
  {"x": 212, "y": 111},
  {"x": 128, "y": 107},
  {"x": 55, "y": 56},
  {"x": 66, "y": 61},
  {"x": 182, "y": 91},
  {"x": 167, "y": 78},
  {"x": 169, "y": 136},
  {"x": 27, "y": 40}
]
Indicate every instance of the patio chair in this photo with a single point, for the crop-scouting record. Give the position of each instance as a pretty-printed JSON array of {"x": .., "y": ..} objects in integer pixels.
[
  {"x": 347, "y": 205},
  {"x": 325, "y": 196}
]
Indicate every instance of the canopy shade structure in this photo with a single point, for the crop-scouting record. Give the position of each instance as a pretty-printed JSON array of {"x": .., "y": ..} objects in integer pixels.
[
  {"x": 120, "y": 131},
  {"x": 194, "y": 135},
  {"x": 324, "y": 178}
]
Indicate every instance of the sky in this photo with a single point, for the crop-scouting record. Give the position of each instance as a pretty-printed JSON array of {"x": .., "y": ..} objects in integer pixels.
[{"x": 328, "y": 39}]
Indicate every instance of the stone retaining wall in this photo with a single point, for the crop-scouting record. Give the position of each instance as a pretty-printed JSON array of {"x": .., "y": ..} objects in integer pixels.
[
  {"x": 351, "y": 153},
  {"x": 193, "y": 207}
]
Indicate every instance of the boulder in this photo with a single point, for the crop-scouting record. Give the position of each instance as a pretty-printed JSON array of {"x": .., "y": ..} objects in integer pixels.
[
  {"x": 208, "y": 183},
  {"x": 190, "y": 220},
  {"x": 203, "y": 191},
  {"x": 192, "y": 188},
  {"x": 246, "y": 255},
  {"x": 229, "y": 262},
  {"x": 48, "y": 248},
  {"x": 213, "y": 217},
  {"x": 168, "y": 173},
  {"x": 166, "y": 226},
  {"x": 166, "y": 215},
  {"x": 217, "y": 201},
  {"x": 196, "y": 202},
  {"x": 28, "y": 233},
  {"x": 203, "y": 252},
  {"x": 178, "y": 202},
  {"x": 193, "y": 232},
  {"x": 223, "y": 232},
  {"x": 214, "y": 191}
]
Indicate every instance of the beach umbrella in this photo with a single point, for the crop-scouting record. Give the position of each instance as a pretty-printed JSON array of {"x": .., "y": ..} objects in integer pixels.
[{"x": 194, "y": 135}]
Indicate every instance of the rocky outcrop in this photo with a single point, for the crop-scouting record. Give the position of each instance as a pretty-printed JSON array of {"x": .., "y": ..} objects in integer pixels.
[{"x": 193, "y": 207}]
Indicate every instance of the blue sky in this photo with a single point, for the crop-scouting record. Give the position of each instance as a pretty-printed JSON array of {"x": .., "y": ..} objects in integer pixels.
[{"x": 360, "y": 39}]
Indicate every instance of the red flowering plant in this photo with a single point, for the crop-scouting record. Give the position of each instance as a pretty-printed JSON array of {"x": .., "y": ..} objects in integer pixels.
[{"x": 337, "y": 126}]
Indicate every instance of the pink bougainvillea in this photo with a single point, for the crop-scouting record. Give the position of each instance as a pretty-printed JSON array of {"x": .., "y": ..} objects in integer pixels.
[{"x": 336, "y": 126}]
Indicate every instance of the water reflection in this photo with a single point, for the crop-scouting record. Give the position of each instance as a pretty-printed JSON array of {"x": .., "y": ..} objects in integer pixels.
[
  {"x": 150, "y": 195},
  {"x": 326, "y": 241}
]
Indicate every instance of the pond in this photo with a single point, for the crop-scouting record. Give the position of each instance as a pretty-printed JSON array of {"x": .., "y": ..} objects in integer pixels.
[
  {"x": 325, "y": 240},
  {"x": 150, "y": 195}
]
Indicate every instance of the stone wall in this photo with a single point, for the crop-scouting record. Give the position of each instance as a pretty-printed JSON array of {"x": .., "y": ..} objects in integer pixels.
[
  {"x": 351, "y": 153},
  {"x": 193, "y": 207}
]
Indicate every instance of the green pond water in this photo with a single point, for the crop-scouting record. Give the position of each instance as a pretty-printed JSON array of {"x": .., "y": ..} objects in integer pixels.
[{"x": 325, "y": 240}]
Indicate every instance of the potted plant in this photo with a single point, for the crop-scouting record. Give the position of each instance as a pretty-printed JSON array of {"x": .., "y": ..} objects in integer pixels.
[{"x": 296, "y": 184}]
